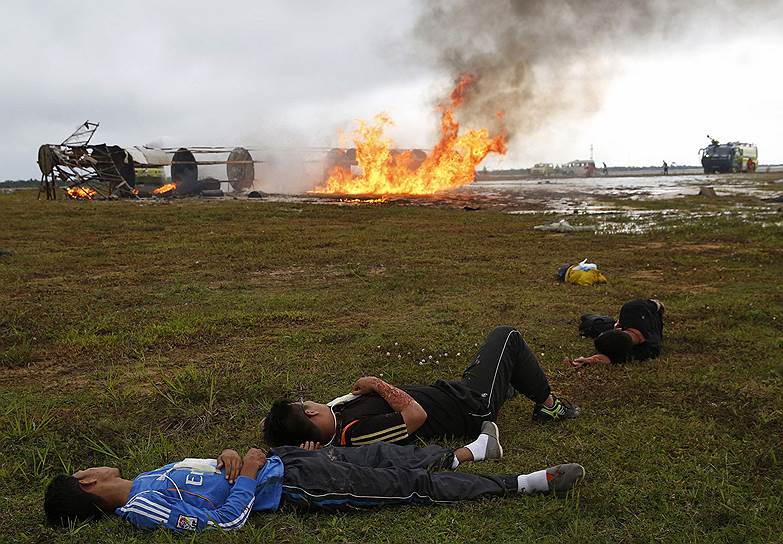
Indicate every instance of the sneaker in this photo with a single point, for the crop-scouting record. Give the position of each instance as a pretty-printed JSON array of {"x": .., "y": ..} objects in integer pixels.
[
  {"x": 444, "y": 462},
  {"x": 561, "y": 478},
  {"x": 494, "y": 449},
  {"x": 561, "y": 409}
]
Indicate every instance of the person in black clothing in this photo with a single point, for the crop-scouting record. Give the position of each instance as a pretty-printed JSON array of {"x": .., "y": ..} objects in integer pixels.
[
  {"x": 637, "y": 335},
  {"x": 379, "y": 412}
]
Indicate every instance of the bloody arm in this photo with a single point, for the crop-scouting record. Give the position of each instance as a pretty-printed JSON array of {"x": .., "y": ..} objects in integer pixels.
[{"x": 411, "y": 411}]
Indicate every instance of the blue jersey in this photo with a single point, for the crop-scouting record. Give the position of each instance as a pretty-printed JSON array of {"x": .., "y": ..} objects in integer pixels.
[{"x": 193, "y": 495}]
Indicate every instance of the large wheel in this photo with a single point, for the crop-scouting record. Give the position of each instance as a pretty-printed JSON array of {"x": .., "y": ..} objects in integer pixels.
[
  {"x": 184, "y": 171},
  {"x": 240, "y": 169},
  {"x": 47, "y": 159}
]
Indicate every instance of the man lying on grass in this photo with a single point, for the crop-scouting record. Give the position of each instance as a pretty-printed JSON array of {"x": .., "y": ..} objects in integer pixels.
[
  {"x": 379, "y": 412},
  {"x": 196, "y": 494},
  {"x": 637, "y": 334}
]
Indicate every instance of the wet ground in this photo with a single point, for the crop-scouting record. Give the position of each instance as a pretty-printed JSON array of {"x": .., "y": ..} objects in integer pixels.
[
  {"x": 630, "y": 204},
  {"x": 565, "y": 195},
  {"x": 610, "y": 204}
]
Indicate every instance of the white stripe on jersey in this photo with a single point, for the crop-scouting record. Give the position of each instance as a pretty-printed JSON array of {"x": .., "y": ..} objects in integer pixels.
[
  {"x": 143, "y": 513},
  {"x": 240, "y": 521},
  {"x": 159, "y": 508},
  {"x": 147, "y": 508}
]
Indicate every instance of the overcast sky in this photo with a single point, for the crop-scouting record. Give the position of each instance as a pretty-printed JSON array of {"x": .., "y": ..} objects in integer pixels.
[{"x": 294, "y": 73}]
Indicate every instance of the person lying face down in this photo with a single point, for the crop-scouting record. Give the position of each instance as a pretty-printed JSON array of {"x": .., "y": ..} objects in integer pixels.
[
  {"x": 377, "y": 411},
  {"x": 198, "y": 494},
  {"x": 637, "y": 335}
]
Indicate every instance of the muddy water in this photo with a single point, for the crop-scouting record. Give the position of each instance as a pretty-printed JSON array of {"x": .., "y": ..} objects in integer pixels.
[{"x": 561, "y": 194}]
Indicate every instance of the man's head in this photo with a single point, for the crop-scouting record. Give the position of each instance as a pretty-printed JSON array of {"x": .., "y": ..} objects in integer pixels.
[
  {"x": 615, "y": 344},
  {"x": 291, "y": 423},
  {"x": 81, "y": 497}
]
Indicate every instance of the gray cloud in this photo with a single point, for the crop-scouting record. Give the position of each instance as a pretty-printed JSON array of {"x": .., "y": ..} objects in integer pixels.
[{"x": 535, "y": 59}]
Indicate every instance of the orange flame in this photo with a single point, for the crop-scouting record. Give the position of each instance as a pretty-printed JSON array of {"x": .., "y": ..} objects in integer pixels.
[
  {"x": 81, "y": 193},
  {"x": 164, "y": 189},
  {"x": 452, "y": 162}
]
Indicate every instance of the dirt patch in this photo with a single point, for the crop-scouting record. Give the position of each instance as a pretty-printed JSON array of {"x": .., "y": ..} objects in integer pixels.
[
  {"x": 695, "y": 288},
  {"x": 699, "y": 248},
  {"x": 686, "y": 246},
  {"x": 648, "y": 275}
]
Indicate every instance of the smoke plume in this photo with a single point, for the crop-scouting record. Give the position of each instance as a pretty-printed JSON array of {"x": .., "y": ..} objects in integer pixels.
[{"x": 537, "y": 58}]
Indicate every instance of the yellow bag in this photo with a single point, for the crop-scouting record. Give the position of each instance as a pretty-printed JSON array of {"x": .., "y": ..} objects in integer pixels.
[{"x": 584, "y": 277}]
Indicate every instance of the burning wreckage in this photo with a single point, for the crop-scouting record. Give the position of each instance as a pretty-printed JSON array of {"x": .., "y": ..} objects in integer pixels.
[
  {"x": 98, "y": 171},
  {"x": 87, "y": 171},
  {"x": 373, "y": 167}
]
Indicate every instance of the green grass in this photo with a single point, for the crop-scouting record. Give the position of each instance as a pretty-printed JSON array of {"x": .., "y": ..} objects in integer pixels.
[{"x": 136, "y": 334}]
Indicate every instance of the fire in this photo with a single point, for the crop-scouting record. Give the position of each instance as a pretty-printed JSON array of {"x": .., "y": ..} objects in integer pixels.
[
  {"x": 165, "y": 189},
  {"x": 80, "y": 193},
  {"x": 452, "y": 162}
]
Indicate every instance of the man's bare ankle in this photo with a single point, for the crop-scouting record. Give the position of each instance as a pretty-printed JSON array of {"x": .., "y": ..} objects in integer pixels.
[{"x": 463, "y": 455}]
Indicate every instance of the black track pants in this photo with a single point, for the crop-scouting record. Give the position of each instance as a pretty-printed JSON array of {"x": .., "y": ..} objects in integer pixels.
[
  {"x": 504, "y": 361},
  {"x": 379, "y": 474}
]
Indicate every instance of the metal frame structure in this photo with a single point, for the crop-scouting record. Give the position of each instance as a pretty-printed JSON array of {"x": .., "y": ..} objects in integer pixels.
[
  {"x": 99, "y": 171},
  {"x": 81, "y": 168}
]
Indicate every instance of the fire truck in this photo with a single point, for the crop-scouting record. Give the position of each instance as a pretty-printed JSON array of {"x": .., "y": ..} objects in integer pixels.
[{"x": 729, "y": 157}]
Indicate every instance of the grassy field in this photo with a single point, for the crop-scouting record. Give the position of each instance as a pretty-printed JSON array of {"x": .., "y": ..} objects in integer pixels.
[{"x": 137, "y": 334}]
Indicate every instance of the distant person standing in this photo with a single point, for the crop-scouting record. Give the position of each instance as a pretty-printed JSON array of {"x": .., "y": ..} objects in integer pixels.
[
  {"x": 606, "y": 170},
  {"x": 665, "y": 168}
]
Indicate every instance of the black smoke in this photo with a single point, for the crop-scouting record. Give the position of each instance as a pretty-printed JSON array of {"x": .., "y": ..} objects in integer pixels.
[{"x": 537, "y": 58}]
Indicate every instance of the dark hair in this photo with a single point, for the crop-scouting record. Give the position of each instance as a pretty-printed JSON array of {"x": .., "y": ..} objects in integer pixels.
[
  {"x": 562, "y": 272},
  {"x": 65, "y": 502},
  {"x": 286, "y": 424},
  {"x": 615, "y": 344}
]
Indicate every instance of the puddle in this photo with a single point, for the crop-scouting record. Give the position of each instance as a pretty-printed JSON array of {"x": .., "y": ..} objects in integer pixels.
[
  {"x": 641, "y": 187},
  {"x": 629, "y": 221}
]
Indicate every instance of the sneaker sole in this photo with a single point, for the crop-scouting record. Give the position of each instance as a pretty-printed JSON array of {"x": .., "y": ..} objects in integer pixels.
[
  {"x": 578, "y": 480},
  {"x": 495, "y": 433}
]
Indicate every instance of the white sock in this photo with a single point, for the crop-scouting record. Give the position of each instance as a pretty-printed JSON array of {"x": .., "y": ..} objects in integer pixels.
[
  {"x": 479, "y": 447},
  {"x": 533, "y": 482},
  {"x": 455, "y": 463}
]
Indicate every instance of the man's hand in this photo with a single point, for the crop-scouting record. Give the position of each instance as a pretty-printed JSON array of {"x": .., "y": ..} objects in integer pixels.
[
  {"x": 232, "y": 462},
  {"x": 252, "y": 462},
  {"x": 310, "y": 445},
  {"x": 579, "y": 362},
  {"x": 366, "y": 385}
]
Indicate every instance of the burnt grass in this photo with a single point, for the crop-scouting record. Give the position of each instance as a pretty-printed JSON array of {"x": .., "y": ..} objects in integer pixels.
[{"x": 133, "y": 335}]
